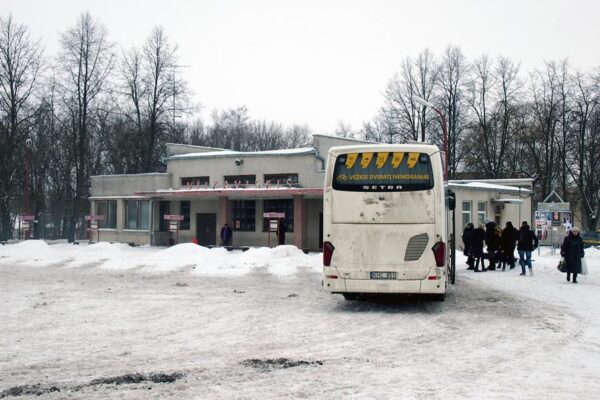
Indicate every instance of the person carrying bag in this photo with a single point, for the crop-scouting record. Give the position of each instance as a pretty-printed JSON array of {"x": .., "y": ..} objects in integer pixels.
[{"x": 572, "y": 251}]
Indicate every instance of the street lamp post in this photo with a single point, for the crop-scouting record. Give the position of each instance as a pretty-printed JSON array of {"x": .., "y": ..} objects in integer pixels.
[{"x": 444, "y": 129}]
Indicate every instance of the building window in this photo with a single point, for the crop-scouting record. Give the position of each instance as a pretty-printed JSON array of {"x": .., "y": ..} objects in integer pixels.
[
  {"x": 137, "y": 214},
  {"x": 184, "y": 209},
  {"x": 466, "y": 213},
  {"x": 282, "y": 179},
  {"x": 285, "y": 206},
  {"x": 481, "y": 212},
  {"x": 242, "y": 179},
  {"x": 498, "y": 215},
  {"x": 108, "y": 208},
  {"x": 244, "y": 215},
  {"x": 195, "y": 180}
]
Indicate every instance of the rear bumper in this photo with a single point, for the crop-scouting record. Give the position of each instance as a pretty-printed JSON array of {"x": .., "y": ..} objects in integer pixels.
[{"x": 424, "y": 286}]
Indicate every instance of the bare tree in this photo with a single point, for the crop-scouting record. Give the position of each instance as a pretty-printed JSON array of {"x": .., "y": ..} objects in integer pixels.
[
  {"x": 416, "y": 78},
  {"x": 343, "y": 130},
  {"x": 482, "y": 85},
  {"x": 135, "y": 91},
  {"x": 297, "y": 136},
  {"x": 584, "y": 161},
  {"x": 230, "y": 129},
  {"x": 165, "y": 96},
  {"x": 563, "y": 80},
  {"x": 20, "y": 70},
  {"x": 85, "y": 62},
  {"x": 545, "y": 112},
  {"x": 265, "y": 135},
  {"x": 508, "y": 90},
  {"x": 453, "y": 76}
]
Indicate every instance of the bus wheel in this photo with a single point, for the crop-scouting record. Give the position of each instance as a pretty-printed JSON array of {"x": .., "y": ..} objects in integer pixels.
[{"x": 350, "y": 296}]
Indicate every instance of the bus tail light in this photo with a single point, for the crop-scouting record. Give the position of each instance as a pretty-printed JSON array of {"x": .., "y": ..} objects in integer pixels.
[
  {"x": 328, "y": 249},
  {"x": 439, "y": 252}
]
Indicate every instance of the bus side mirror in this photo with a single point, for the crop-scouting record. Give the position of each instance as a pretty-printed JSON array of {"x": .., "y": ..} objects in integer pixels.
[{"x": 450, "y": 199}]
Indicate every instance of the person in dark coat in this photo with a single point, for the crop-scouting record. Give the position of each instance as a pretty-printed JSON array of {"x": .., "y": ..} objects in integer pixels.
[
  {"x": 572, "y": 251},
  {"x": 508, "y": 242},
  {"x": 467, "y": 238},
  {"x": 477, "y": 248},
  {"x": 226, "y": 235},
  {"x": 492, "y": 241},
  {"x": 281, "y": 232},
  {"x": 527, "y": 242}
]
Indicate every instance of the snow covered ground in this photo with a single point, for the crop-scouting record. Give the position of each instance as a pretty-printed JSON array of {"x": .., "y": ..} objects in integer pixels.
[{"x": 98, "y": 321}]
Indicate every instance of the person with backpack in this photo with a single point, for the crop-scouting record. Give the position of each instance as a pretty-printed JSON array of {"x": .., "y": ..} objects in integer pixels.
[
  {"x": 527, "y": 242},
  {"x": 572, "y": 251}
]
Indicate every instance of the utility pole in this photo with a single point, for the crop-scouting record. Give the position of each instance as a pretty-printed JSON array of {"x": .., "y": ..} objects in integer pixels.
[
  {"x": 26, "y": 207},
  {"x": 174, "y": 96}
]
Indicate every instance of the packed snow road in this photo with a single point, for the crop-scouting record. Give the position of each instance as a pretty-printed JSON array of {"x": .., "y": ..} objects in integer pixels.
[{"x": 96, "y": 333}]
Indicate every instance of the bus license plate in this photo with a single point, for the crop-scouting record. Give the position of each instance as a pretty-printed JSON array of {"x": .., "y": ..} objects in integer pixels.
[{"x": 383, "y": 275}]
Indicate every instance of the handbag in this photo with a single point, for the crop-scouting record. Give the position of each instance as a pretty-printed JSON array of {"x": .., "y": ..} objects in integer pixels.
[
  {"x": 562, "y": 265},
  {"x": 584, "y": 268}
]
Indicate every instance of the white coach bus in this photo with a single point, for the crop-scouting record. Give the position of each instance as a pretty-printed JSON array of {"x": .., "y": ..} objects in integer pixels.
[{"x": 384, "y": 221}]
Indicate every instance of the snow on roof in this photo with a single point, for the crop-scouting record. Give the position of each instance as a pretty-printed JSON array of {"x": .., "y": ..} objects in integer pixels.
[
  {"x": 342, "y": 138},
  {"x": 232, "y": 153},
  {"x": 488, "y": 186}
]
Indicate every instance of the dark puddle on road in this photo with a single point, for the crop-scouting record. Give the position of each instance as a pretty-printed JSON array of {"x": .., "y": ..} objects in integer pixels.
[
  {"x": 128, "y": 379},
  {"x": 28, "y": 390},
  {"x": 136, "y": 378},
  {"x": 269, "y": 364}
]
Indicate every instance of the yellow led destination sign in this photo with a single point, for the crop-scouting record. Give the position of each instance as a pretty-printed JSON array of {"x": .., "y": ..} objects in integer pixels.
[
  {"x": 366, "y": 159},
  {"x": 397, "y": 159},
  {"x": 412, "y": 159},
  {"x": 351, "y": 159},
  {"x": 380, "y": 177},
  {"x": 381, "y": 159},
  {"x": 372, "y": 171}
]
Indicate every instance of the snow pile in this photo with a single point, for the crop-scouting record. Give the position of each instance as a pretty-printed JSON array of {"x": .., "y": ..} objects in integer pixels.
[
  {"x": 182, "y": 256},
  {"x": 94, "y": 254},
  {"x": 34, "y": 253},
  {"x": 280, "y": 261}
]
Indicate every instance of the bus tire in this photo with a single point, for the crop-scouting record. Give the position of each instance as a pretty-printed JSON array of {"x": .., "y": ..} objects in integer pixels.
[{"x": 350, "y": 296}]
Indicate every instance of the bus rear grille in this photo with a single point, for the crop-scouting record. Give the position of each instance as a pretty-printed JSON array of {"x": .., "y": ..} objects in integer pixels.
[{"x": 416, "y": 246}]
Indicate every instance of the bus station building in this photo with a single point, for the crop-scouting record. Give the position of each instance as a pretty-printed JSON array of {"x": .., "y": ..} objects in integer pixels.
[{"x": 211, "y": 187}]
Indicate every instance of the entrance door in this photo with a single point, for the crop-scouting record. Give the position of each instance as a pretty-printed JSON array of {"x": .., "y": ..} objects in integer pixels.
[
  {"x": 206, "y": 229},
  {"x": 163, "y": 209}
]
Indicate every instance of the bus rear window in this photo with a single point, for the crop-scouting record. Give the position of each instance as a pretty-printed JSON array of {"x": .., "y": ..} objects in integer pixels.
[{"x": 382, "y": 172}]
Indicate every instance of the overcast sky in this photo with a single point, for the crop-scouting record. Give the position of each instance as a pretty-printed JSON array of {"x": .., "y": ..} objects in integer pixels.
[{"x": 318, "y": 62}]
